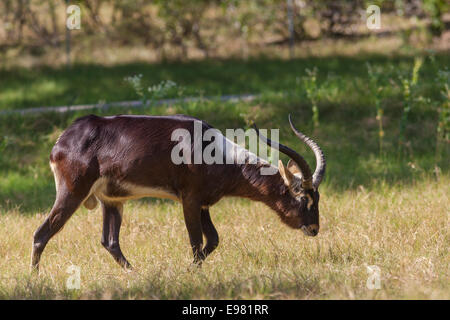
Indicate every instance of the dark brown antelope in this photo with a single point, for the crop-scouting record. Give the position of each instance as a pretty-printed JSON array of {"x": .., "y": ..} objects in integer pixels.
[{"x": 117, "y": 158}]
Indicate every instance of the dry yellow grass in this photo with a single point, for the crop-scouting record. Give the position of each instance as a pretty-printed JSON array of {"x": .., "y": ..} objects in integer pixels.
[{"x": 401, "y": 229}]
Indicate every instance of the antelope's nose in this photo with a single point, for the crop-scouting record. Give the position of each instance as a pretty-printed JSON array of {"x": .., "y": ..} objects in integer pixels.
[{"x": 313, "y": 229}]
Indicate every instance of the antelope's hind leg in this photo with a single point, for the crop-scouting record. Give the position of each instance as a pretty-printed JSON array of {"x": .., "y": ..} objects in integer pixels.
[
  {"x": 72, "y": 188},
  {"x": 112, "y": 220},
  {"x": 65, "y": 205}
]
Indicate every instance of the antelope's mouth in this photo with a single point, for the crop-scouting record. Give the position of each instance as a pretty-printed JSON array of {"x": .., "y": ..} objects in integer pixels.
[{"x": 310, "y": 230}]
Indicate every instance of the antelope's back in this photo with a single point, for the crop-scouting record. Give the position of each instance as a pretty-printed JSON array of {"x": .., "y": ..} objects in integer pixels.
[{"x": 124, "y": 147}]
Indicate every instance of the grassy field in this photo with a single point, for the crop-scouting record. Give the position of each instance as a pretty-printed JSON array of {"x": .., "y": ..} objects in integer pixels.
[
  {"x": 90, "y": 83},
  {"x": 402, "y": 230},
  {"x": 385, "y": 207}
]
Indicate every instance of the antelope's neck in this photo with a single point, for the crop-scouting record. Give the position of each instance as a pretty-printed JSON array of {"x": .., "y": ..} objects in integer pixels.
[{"x": 269, "y": 189}]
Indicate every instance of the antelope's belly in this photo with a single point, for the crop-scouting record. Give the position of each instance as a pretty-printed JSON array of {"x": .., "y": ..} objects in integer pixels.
[{"x": 107, "y": 190}]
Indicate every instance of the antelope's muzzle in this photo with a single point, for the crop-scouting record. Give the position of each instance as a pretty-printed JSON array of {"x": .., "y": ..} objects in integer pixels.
[{"x": 311, "y": 230}]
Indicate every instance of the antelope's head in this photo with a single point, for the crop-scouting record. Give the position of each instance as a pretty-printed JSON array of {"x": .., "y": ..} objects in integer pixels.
[{"x": 302, "y": 196}]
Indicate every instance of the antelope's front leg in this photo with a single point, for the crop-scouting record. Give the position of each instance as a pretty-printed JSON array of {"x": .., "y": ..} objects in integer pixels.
[
  {"x": 210, "y": 232},
  {"x": 192, "y": 218}
]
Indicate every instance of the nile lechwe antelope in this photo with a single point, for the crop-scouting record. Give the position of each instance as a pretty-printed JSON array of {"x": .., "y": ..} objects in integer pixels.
[{"x": 117, "y": 158}]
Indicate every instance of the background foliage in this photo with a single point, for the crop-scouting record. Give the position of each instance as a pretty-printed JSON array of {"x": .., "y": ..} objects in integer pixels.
[{"x": 172, "y": 27}]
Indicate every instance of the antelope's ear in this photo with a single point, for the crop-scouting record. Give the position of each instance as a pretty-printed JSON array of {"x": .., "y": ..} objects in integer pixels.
[
  {"x": 286, "y": 174},
  {"x": 292, "y": 167}
]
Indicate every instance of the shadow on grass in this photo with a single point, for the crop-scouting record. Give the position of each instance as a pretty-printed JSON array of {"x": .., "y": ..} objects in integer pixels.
[{"x": 156, "y": 287}]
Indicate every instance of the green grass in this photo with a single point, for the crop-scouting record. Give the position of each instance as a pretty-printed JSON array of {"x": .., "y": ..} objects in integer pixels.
[
  {"x": 386, "y": 209},
  {"x": 90, "y": 83}
]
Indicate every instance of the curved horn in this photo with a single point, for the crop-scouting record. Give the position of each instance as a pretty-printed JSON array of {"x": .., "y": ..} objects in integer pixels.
[
  {"x": 320, "y": 158},
  {"x": 298, "y": 159}
]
